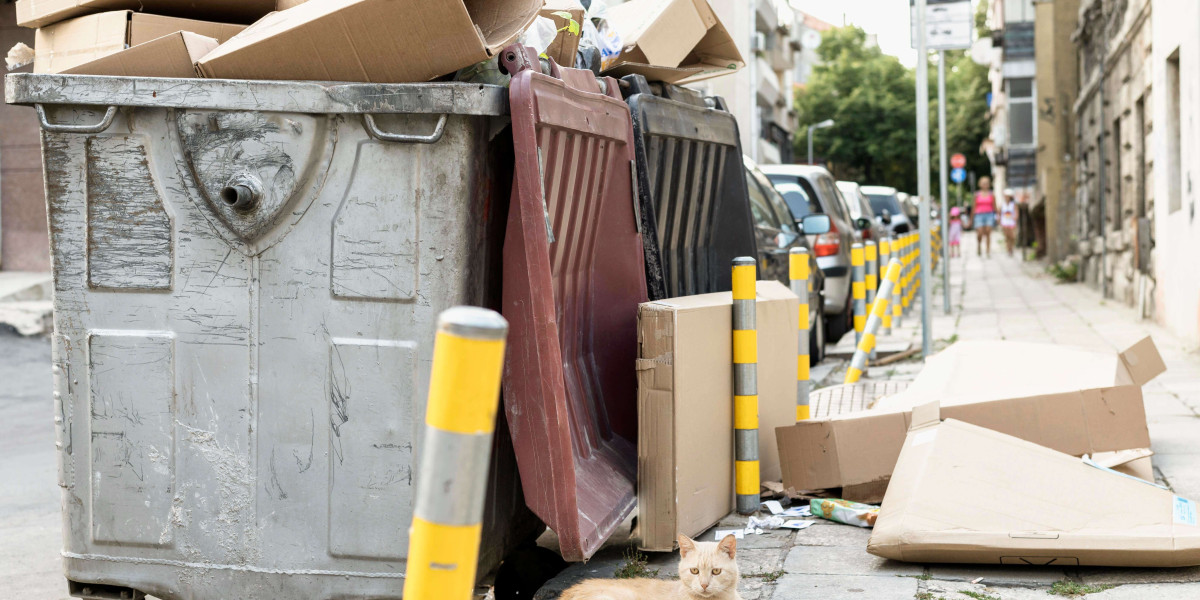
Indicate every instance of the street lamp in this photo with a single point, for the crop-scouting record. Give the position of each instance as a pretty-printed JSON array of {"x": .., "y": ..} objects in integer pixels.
[{"x": 821, "y": 125}]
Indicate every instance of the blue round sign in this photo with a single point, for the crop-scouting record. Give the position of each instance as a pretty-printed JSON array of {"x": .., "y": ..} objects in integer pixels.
[{"x": 958, "y": 175}]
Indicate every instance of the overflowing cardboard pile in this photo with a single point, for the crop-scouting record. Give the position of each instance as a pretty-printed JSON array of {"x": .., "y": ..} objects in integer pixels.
[{"x": 376, "y": 41}]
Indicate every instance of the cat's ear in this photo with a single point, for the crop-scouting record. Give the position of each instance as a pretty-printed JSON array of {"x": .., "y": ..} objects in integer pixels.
[
  {"x": 686, "y": 545},
  {"x": 728, "y": 545}
]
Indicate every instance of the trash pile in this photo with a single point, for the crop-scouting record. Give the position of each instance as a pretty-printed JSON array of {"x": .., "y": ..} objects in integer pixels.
[{"x": 371, "y": 41}]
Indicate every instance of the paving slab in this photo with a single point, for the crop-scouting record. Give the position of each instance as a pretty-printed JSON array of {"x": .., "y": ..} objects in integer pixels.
[
  {"x": 844, "y": 560},
  {"x": 828, "y": 533},
  {"x": 999, "y": 574},
  {"x": 844, "y": 587},
  {"x": 1149, "y": 591}
]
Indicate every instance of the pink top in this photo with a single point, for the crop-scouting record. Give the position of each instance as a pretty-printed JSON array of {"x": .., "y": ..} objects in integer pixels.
[{"x": 985, "y": 202}]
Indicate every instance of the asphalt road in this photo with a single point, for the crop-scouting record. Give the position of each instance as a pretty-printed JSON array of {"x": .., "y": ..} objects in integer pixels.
[{"x": 30, "y": 526}]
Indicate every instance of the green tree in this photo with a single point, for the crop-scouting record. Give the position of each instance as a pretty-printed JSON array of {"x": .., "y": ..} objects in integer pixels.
[
  {"x": 870, "y": 96},
  {"x": 872, "y": 99}
]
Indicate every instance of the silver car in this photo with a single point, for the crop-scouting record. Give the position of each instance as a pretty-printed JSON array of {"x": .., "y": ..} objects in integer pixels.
[
  {"x": 889, "y": 208},
  {"x": 861, "y": 208},
  {"x": 811, "y": 190}
]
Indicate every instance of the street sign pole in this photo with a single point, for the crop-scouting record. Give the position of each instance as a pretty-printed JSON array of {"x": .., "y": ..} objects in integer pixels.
[
  {"x": 943, "y": 176},
  {"x": 923, "y": 175}
]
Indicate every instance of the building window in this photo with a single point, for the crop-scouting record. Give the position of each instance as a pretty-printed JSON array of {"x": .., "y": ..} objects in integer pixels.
[
  {"x": 1016, "y": 11},
  {"x": 1021, "y": 122},
  {"x": 1172, "y": 127}
]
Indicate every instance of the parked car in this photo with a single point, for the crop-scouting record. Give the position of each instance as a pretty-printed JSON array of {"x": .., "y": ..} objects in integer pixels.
[
  {"x": 777, "y": 231},
  {"x": 811, "y": 190},
  {"x": 889, "y": 208},
  {"x": 860, "y": 208}
]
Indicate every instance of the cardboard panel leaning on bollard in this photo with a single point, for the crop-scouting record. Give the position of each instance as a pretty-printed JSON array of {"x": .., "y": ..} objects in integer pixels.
[
  {"x": 464, "y": 394},
  {"x": 745, "y": 386},
  {"x": 799, "y": 271}
]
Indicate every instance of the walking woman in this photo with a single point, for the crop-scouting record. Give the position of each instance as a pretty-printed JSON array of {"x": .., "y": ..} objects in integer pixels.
[
  {"x": 985, "y": 216},
  {"x": 1008, "y": 223}
]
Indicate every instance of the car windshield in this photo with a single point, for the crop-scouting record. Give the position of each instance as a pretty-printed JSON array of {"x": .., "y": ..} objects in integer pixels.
[
  {"x": 798, "y": 199},
  {"x": 882, "y": 202}
]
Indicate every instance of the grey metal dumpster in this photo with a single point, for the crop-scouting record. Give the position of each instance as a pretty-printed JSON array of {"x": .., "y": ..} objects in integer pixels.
[{"x": 247, "y": 277}]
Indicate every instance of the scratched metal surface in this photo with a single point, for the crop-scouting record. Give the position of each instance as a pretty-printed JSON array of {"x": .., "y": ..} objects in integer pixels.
[
  {"x": 238, "y": 395},
  {"x": 573, "y": 277}
]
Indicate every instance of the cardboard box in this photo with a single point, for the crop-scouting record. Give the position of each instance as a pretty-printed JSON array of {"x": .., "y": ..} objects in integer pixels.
[
  {"x": 1092, "y": 402},
  {"x": 568, "y": 20},
  {"x": 172, "y": 55},
  {"x": 677, "y": 41},
  {"x": 39, "y": 13},
  {"x": 377, "y": 41},
  {"x": 961, "y": 493},
  {"x": 685, "y": 406},
  {"x": 69, "y": 44}
]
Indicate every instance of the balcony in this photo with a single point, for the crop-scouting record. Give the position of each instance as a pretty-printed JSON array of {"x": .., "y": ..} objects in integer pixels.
[{"x": 767, "y": 85}]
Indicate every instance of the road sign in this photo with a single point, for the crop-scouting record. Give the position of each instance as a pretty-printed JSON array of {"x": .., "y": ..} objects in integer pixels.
[
  {"x": 958, "y": 161},
  {"x": 949, "y": 24},
  {"x": 959, "y": 174}
]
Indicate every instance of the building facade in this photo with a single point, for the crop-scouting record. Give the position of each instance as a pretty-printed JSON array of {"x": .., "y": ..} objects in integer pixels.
[
  {"x": 1113, "y": 134},
  {"x": 1174, "y": 69},
  {"x": 1057, "y": 82},
  {"x": 1012, "y": 144}
]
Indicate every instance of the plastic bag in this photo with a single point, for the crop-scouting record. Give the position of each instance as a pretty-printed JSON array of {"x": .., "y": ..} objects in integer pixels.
[
  {"x": 845, "y": 511},
  {"x": 540, "y": 35}
]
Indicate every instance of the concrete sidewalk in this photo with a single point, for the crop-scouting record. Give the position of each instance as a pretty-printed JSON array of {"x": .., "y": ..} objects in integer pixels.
[{"x": 996, "y": 298}]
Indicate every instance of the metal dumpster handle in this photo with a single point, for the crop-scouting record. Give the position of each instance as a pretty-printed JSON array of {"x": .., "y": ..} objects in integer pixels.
[
  {"x": 59, "y": 128},
  {"x": 373, "y": 129}
]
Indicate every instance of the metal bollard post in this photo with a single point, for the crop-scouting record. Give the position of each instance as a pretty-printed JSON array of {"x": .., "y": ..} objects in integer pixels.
[
  {"x": 799, "y": 268},
  {"x": 870, "y": 250},
  {"x": 858, "y": 289},
  {"x": 745, "y": 386},
  {"x": 885, "y": 258},
  {"x": 464, "y": 393},
  {"x": 858, "y": 364}
]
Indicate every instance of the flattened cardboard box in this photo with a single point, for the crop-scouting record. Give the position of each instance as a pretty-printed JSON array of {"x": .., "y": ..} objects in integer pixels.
[
  {"x": 39, "y": 13},
  {"x": 962, "y": 493},
  {"x": 677, "y": 41},
  {"x": 685, "y": 406},
  {"x": 375, "y": 41},
  {"x": 172, "y": 55},
  {"x": 1094, "y": 405},
  {"x": 69, "y": 44}
]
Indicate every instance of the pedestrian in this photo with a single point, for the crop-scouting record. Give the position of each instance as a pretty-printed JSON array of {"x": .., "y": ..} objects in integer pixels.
[
  {"x": 985, "y": 215},
  {"x": 955, "y": 232},
  {"x": 1008, "y": 223}
]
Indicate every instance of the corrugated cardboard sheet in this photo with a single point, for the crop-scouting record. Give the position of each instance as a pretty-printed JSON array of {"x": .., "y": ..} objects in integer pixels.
[
  {"x": 962, "y": 493},
  {"x": 72, "y": 43},
  {"x": 39, "y": 13},
  {"x": 676, "y": 41},
  {"x": 172, "y": 55},
  {"x": 685, "y": 406}
]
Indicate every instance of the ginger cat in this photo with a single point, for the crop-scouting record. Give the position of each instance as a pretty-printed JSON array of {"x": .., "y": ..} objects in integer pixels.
[{"x": 706, "y": 570}]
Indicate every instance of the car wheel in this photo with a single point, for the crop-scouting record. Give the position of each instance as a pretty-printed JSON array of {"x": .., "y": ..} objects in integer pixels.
[
  {"x": 837, "y": 325},
  {"x": 816, "y": 339}
]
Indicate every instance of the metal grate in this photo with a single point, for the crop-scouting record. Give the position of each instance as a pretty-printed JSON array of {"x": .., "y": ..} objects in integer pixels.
[{"x": 851, "y": 397}]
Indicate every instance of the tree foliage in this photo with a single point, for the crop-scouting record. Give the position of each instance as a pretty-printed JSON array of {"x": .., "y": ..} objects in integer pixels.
[{"x": 872, "y": 99}]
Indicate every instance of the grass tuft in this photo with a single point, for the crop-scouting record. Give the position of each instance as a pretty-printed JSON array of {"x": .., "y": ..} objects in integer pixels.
[
  {"x": 635, "y": 566},
  {"x": 1074, "y": 589}
]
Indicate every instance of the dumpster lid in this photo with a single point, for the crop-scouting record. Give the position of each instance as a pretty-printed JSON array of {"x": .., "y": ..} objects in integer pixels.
[{"x": 268, "y": 96}]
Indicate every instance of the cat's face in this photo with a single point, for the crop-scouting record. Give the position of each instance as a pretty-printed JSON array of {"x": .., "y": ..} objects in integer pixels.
[{"x": 708, "y": 568}]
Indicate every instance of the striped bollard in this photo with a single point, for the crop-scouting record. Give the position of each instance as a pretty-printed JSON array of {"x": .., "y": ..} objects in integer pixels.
[
  {"x": 858, "y": 289},
  {"x": 798, "y": 274},
  {"x": 885, "y": 257},
  {"x": 464, "y": 393},
  {"x": 900, "y": 251},
  {"x": 745, "y": 386},
  {"x": 910, "y": 263},
  {"x": 916, "y": 272},
  {"x": 858, "y": 364},
  {"x": 870, "y": 250}
]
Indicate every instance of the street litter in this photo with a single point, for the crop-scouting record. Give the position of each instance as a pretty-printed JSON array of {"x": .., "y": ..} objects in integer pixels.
[
  {"x": 737, "y": 533},
  {"x": 845, "y": 511},
  {"x": 1072, "y": 400},
  {"x": 685, "y": 442},
  {"x": 677, "y": 41},
  {"x": 963, "y": 493},
  {"x": 776, "y": 508}
]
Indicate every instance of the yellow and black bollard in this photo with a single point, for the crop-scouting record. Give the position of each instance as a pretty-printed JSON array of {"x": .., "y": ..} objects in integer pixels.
[
  {"x": 464, "y": 393},
  {"x": 885, "y": 256},
  {"x": 745, "y": 386},
  {"x": 871, "y": 258},
  {"x": 799, "y": 272},
  {"x": 858, "y": 289}
]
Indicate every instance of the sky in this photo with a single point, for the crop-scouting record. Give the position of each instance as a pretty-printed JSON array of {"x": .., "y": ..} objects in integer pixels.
[{"x": 888, "y": 19}]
